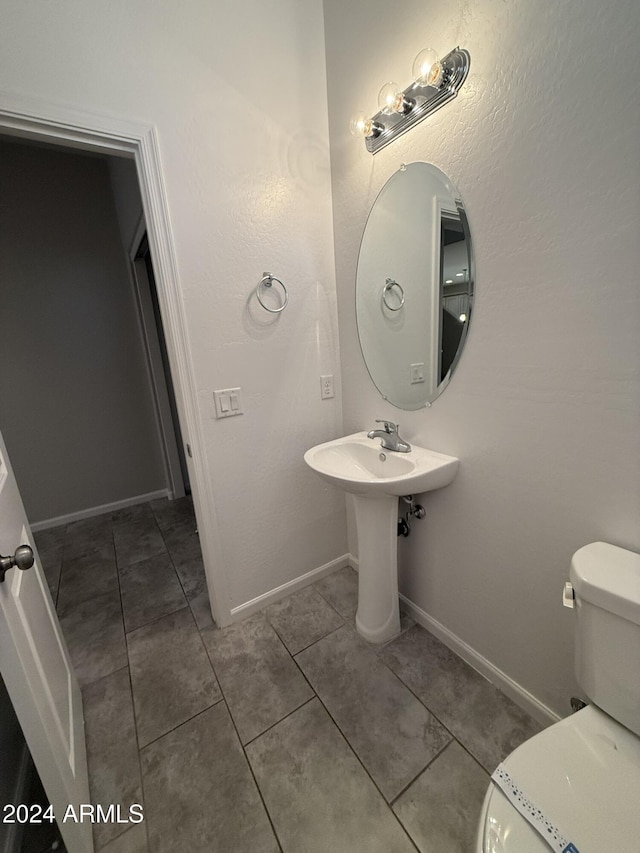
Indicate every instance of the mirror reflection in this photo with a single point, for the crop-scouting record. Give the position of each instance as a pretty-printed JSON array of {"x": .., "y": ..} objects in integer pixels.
[{"x": 414, "y": 286}]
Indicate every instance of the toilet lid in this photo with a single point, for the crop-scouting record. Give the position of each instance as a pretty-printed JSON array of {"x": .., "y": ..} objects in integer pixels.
[{"x": 584, "y": 774}]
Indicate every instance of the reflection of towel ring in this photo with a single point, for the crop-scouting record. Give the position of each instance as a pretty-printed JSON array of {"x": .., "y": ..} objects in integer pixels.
[
  {"x": 266, "y": 281},
  {"x": 391, "y": 283}
]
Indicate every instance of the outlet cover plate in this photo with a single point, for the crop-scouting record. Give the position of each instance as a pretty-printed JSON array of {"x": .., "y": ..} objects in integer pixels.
[{"x": 326, "y": 387}]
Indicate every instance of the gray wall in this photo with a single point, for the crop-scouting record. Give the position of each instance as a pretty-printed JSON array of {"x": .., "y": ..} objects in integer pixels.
[
  {"x": 543, "y": 410},
  {"x": 75, "y": 406}
]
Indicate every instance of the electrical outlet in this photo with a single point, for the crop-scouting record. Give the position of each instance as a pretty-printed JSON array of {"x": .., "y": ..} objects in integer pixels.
[
  {"x": 417, "y": 372},
  {"x": 326, "y": 387}
]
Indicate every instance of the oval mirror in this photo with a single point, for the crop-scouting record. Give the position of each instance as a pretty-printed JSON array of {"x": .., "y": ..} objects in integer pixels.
[{"x": 414, "y": 286}]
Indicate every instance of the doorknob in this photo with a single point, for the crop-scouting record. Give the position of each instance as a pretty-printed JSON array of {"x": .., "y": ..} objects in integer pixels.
[{"x": 23, "y": 559}]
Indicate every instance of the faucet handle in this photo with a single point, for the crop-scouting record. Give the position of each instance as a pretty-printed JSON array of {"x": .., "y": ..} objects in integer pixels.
[{"x": 389, "y": 426}]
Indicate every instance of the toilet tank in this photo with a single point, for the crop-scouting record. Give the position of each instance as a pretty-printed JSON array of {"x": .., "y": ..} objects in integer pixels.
[{"x": 606, "y": 585}]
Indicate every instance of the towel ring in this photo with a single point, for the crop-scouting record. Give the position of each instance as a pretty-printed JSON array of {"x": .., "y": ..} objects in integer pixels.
[
  {"x": 391, "y": 283},
  {"x": 266, "y": 281}
]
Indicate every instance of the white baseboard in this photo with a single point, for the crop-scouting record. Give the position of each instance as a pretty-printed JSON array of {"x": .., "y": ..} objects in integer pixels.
[
  {"x": 97, "y": 510},
  {"x": 280, "y": 592},
  {"x": 516, "y": 692}
]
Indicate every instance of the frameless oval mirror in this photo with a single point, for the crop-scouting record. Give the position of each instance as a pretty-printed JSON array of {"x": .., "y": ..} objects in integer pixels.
[{"x": 414, "y": 286}]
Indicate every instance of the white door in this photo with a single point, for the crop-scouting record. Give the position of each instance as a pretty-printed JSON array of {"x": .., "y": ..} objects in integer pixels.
[{"x": 36, "y": 669}]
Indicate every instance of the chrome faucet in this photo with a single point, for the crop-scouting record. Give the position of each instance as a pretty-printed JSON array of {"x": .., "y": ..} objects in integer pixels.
[{"x": 389, "y": 436}]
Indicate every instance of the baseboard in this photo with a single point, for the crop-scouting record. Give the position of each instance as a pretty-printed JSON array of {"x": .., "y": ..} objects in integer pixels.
[
  {"x": 97, "y": 510},
  {"x": 516, "y": 692},
  {"x": 280, "y": 592}
]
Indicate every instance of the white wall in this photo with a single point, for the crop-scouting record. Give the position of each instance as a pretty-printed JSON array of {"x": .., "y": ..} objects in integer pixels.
[
  {"x": 76, "y": 408},
  {"x": 238, "y": 95},
  {"x": 542, "y": 143}
]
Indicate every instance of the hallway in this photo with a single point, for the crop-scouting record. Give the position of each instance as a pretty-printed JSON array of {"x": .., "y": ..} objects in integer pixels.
[{"x": 284, "y": 732}]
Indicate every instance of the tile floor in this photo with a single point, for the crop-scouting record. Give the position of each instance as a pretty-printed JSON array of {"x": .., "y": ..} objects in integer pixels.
[{"x": 285, "y": 732}]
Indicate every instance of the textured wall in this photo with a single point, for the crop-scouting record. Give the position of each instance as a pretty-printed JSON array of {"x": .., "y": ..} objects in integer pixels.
[
  {"x": 543, "y": 410},
  {"x": 76, "y": 409},
  {"x": 238, "y": 95}
]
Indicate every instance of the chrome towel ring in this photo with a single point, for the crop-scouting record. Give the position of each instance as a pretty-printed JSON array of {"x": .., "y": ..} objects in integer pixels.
[
  {"x": 386, "y": 289},
  {"x": 267, "y": 281}
]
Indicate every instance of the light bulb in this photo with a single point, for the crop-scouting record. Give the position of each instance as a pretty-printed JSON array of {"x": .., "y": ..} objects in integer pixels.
[
  {"x": 391, "y": 99},
  {"x": 427, "y": 68},
  {"x": 361, "y": 125},
  {"x": 463, "y": 318}
]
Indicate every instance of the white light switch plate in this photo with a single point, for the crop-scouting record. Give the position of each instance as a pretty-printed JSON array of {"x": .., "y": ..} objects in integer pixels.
[{"x": 228, "y": 402}]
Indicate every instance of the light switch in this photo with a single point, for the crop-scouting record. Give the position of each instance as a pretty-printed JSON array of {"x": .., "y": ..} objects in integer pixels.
[{"x": 228, "y": 402}]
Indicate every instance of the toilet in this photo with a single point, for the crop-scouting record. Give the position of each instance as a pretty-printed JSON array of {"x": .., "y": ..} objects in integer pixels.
[{"x": 575, "y": 786}]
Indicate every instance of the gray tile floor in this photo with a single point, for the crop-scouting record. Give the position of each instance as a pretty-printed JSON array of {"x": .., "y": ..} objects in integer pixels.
[{"x": 285, "y": 732}]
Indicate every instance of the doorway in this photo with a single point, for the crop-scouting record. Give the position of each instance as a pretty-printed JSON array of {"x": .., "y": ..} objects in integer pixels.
[
  {"x": 94, "y": 442},
  {"x": 41, "y": 121}
]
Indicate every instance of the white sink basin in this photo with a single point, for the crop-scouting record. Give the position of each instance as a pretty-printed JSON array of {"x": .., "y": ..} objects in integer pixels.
[
  {"x": 359, "y": 465},
  {"x": 376, "y": 478}
]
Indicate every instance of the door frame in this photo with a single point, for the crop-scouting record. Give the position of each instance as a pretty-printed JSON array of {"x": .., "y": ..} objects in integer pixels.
[{"x": 37, "y": 119}]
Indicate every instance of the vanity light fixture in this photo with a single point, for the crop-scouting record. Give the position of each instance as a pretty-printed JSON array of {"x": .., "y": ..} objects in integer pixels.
[{"x": 435, "y": 82}]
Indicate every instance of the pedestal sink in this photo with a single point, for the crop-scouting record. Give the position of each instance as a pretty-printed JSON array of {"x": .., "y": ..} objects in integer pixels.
[{"x": 376, "y": 478}]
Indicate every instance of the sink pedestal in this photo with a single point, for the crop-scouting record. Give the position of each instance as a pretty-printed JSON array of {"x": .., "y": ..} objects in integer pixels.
[
  {"x": 376, "y": 478},
  {"x": 378, "y": 616}
]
